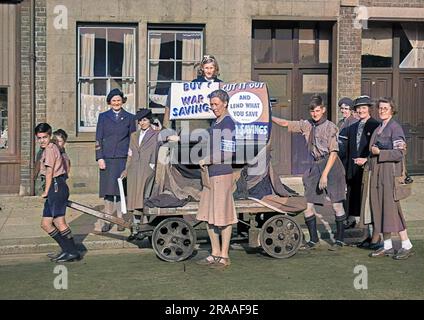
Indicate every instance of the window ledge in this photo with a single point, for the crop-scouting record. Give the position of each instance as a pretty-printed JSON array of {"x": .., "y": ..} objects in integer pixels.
[{"x": 83, "y": 137}]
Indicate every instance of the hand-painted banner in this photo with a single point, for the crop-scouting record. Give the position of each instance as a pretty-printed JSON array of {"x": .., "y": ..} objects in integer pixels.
[
  {"x": 248, "y": 106},
  {"x": 250, "y": 110},
  {"x": 190, "y": 100}
]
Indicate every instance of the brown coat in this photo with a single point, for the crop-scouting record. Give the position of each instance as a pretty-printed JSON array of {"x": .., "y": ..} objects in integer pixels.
[
  {"x": 386, "y": 212},
  {"x": 140, "y": 175}
]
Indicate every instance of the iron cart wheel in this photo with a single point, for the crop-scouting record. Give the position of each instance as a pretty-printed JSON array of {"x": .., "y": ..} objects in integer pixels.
[
  {"x": 281, "y": 236},
  {"x": 173, "y": 239}
]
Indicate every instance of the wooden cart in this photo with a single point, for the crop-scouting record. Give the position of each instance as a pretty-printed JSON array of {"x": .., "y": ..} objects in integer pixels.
[{"x": 173, "y": 234}]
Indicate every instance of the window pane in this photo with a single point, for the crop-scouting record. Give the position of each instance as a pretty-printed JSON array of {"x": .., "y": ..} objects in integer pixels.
[
  {"x": 412, "y": 45},
  {"x": 283, "y": 45},
  {"x": 186, "y": 71},
  {"x": 158, "y": 94},
  {"x": 315, "y": 83},
  {"x": 307, "y": 45},
  {"x": 377, "y": 44},
  {"x": 3, "y": 119},
  {"x": 93, "y": 101},
  {"x": 189, "y": 46},
  {"x": 162, "y": 45},
  {"x": 92, "y": 52},
  {"x": 121, "y": 58},
  {"x": 324, "y": 44},
  {"x": 262, "y": 45},
  {"x": 162, "y": 70}
]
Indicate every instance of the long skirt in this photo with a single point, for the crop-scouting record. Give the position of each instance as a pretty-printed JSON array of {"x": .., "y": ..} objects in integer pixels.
[
  {"x": 386, "y": 212},
  {"x": 216, "y": 205},
  {"x": 108, "y": 177}
]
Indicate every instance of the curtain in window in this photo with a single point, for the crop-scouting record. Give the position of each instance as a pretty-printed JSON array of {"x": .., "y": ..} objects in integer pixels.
[
  {"x": 90, "y": 105},
  {"x": 415, "y": 34},
  {"x": 155, "y": 42},
  {"x": 191, "y": 51},
  {"x": 128, "y": 64}
]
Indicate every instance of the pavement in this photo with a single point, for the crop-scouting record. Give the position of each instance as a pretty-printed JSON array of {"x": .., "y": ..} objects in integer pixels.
[{"x": 20, "y": 217}]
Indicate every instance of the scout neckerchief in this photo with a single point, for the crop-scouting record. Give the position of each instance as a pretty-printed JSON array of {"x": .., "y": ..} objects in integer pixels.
[{"x": 315, "y": 124}]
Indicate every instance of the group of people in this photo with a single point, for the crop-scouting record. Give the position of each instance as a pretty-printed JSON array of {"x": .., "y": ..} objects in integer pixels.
[
  {"x": 342, "y": 156},
  {"x": 124, "y": 151},
  {"x": 127, "y": 147}
]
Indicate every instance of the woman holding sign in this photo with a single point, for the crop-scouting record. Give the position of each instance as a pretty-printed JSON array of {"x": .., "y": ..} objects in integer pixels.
[
  {"x": 216, "y": 205},
  {"x": 208, "y": 70}
]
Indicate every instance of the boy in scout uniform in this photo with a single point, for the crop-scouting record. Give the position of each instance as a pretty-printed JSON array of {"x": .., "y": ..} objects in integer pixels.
[{"x": 326, "y": 177}]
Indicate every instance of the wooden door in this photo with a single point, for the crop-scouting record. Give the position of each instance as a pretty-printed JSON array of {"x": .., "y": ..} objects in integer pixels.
[
  {"x": 309, "y": 83},
  {"x": 9, "y": 104},
  {"x": 279, "y": 87},
  {"x": 376, "y": 85},
  {"x": 411, "y": 116}
]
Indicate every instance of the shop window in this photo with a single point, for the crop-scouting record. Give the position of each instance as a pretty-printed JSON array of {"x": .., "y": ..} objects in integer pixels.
[
  {"x": 3, "y": 119},
  {"x": 173, "y": 57},
  {"x": 107, "y": 60}
]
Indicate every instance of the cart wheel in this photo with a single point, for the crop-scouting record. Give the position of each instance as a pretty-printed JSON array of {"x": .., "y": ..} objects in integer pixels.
[
  {"x": 280, "y": 236},
  {"x": 173, "y": 239}
]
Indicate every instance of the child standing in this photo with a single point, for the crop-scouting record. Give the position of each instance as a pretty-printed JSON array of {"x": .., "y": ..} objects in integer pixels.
[
  {"x": 56, "y": 193},
  {"x": 326, "y": 177}
]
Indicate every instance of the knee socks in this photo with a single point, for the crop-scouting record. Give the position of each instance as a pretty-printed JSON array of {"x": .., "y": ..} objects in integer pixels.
[
  {"x": 340, "y": 227},
  {"x": 311, "y": 222},
  {"x": 55, "y": 234},
  {"x": 69, "y": 241}
]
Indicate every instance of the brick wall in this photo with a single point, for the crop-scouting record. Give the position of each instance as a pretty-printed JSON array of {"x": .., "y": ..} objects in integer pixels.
[
  {"x": 40, "y": 64},
  {"x": 349, "y": 55},
  {"x": 26, "y": 58}
]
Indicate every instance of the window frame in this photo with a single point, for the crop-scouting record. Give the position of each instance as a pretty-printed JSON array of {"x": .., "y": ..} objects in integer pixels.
[
  {"x": 7, "y": 151},
  {"x": 106, "y": 26},
  {"x": 159, "y": 28}
]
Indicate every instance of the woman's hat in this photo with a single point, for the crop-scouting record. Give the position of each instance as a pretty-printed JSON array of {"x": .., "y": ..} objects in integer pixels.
[
  {"x": 363, "y": 101},
  {"x": 346, "y": 101},
  {"x": 115, "y": 92},
  {"x": 143, "y": 113}
]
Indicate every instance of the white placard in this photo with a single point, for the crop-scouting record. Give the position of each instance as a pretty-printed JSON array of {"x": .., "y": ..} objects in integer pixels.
[
  {"x": 122, "y": 194},
  {"x": 190, "y": 100}
]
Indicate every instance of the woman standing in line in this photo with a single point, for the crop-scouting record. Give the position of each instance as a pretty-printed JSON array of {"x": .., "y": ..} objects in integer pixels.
[
  {"x": 113, "y": 131},
  {"x": 387, "y": 148}
]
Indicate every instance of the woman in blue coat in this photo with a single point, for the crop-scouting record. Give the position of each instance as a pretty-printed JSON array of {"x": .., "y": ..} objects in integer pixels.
[{"x": 114, "y": 128}]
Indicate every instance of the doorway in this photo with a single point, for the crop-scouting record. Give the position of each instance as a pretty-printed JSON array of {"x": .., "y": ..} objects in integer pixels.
[{"x": 294, "y": 59}]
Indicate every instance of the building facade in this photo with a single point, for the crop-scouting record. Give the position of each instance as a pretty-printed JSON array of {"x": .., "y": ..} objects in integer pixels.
[{"x": 60, "y": 58}]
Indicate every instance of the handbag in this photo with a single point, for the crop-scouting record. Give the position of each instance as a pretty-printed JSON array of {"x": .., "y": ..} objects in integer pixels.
[{"x": 403, "y": 184}]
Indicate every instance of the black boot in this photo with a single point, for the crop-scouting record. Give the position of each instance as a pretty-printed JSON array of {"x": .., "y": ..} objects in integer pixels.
[
  {"x": 55, "y": 234},
  {"x": 71, "y": 248}
]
